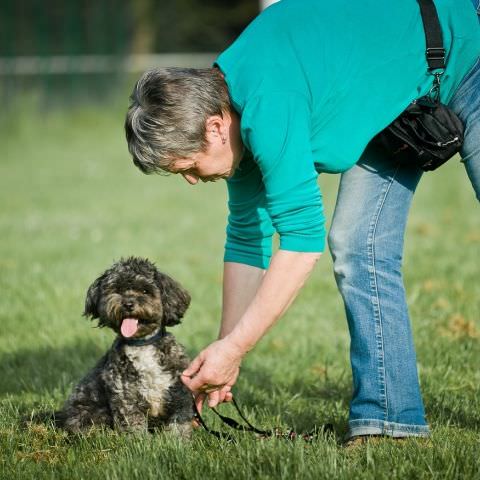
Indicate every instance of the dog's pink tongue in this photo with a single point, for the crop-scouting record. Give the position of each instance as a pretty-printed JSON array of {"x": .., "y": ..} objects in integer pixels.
[{"x": 129, "y": 327}]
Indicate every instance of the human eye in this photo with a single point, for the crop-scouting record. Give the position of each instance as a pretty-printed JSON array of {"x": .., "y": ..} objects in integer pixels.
[{"x": 189, "y": 170}]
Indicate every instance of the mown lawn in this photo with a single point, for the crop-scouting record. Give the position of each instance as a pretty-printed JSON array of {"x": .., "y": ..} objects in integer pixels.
[{"x": 71, "y": 202}]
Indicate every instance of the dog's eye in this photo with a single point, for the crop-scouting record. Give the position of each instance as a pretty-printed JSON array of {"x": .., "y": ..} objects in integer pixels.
[{"x": 145, "y": 291}]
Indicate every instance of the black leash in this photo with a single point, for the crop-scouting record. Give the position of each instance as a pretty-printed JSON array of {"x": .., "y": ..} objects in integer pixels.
[
  {"x": 219, "y": 435},
  {"x": 276, "y": 432}
]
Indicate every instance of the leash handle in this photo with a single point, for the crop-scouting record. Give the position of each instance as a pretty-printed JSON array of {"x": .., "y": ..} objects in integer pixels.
[
  {"x": 234, "y": 424},
  {"x": 219, "y": 435},
  {"x": 290, "y": 435}
]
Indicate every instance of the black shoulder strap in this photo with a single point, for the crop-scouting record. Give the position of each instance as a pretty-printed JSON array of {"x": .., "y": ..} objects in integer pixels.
[{"x": 433, "y": 34}]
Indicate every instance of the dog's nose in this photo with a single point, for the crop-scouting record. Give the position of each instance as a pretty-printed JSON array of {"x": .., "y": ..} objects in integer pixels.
[{"x": 128, "y": 304}]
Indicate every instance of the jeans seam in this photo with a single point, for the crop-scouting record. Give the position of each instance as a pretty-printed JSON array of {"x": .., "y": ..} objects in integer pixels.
[
  {"x": 375, "y": 297},
  {"x": 381, "y": 427}
]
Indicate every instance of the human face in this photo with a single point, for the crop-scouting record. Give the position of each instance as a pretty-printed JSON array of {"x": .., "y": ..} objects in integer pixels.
[
  {"x": 203, "y": 166},
  {"x": 223, "y": 154}
]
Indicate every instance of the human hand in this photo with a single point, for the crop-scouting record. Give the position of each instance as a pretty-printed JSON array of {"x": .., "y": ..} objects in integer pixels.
[
  {"x": 213, "y": 373},
  {"x": 224, "y": 395}
]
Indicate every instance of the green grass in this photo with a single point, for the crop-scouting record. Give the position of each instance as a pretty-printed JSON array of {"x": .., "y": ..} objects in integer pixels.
[{"x": 71, "y": 202}]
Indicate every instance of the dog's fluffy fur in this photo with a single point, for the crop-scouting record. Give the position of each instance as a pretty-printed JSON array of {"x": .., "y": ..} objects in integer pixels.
[{"x": 134, "y": 388}]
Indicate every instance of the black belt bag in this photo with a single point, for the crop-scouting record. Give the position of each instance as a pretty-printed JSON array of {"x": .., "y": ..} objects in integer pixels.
[{"x": 427, "y": 133}]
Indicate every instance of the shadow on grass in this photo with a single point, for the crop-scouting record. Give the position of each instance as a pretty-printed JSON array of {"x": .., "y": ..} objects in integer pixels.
[
  {"x": 441, "y": 410},
  {"x": 45, "y": 369},
  {"x": 260, "y": 391}
]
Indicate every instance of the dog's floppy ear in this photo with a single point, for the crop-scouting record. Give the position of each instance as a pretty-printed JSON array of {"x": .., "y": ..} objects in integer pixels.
[
  {"x": 93, "y": 296},
  {"x": 175, "y": 299}
]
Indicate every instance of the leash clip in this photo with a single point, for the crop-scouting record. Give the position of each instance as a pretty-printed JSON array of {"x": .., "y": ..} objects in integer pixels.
[{"x": 434, "y": 92}]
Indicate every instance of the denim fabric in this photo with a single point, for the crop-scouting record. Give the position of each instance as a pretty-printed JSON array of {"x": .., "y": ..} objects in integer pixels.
[{"x": 366, "y": 242}]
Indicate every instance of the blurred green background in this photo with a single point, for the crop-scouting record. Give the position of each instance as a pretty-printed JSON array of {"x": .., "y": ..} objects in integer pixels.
[
  {"x": 71, "y": 51},
  {"x": 71, "y": 202}
]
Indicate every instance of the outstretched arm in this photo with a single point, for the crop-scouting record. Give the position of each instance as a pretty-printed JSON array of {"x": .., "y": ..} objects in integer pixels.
[
  {"x": 276, "y": 190},
  {"x": 240, "y": 285},
  {"x": 248, "y": 314},
  {"x": 279, "y": 287}
]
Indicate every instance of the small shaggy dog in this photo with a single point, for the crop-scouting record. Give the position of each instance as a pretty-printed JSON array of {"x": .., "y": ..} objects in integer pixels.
[{"x": 136, "y": 385}]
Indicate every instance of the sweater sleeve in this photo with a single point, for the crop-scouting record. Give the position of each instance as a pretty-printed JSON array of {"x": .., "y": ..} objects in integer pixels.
[
  {"x": 249, "y": 229},
  {"x": 278, "y": 188},
  {"x": 276, "y": 128}
]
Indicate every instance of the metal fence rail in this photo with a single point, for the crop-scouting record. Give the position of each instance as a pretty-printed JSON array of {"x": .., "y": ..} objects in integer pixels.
[
  {"x": 68, "y": 52},
  {"x": 67, "y": 80},
  {"x": 100, "y": 64}
]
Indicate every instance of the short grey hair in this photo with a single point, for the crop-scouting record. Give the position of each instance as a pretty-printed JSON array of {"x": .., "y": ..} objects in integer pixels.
[{"x": 167, "y": 114}]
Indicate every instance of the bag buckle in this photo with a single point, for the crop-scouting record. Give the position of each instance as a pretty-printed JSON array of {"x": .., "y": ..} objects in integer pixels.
[
  {"x": 435, "y": 58},
  {"x": 436, "y": 53}
]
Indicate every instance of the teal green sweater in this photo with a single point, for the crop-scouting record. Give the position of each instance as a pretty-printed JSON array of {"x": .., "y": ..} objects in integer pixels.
[{"x": 314, "y": 81}]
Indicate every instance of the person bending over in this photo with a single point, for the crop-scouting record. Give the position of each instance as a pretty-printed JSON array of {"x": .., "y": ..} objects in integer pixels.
[{"x": 303, "y": 90}]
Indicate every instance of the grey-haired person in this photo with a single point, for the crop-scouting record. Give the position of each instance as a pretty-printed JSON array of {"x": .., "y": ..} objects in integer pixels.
[{"x": 303, "y": 90}]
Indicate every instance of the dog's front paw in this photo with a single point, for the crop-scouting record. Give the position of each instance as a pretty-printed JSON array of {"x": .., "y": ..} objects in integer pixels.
[
  {"x": 180, "y": 430},
  {"x": 132, "y": 427}
]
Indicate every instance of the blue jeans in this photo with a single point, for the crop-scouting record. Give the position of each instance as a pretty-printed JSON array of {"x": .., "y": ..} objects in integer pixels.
[{"x": 366, "y": 242}]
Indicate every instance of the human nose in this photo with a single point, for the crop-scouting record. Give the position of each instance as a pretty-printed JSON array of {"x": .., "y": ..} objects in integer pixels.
[{"x": 191, "y": 179}]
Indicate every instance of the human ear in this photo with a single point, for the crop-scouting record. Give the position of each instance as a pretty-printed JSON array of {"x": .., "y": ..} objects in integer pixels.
[{"x": 216, "y": 128}]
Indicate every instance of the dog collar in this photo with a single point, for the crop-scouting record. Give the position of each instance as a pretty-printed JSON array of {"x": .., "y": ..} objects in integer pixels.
[{"x": 140, "y": 342}]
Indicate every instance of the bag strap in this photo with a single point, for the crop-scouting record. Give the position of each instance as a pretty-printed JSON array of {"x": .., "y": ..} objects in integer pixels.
[{"x": 435, "y": 52}]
